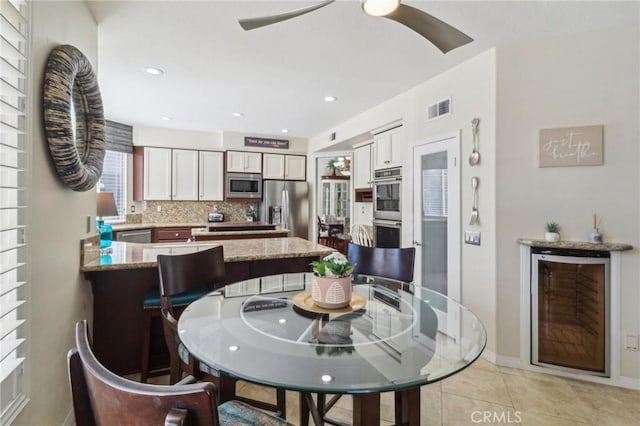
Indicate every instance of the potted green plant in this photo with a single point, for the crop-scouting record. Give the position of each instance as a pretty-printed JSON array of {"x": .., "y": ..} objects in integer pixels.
[
  {"x": 553, "y": 232},
  {"x": 331, "y": 287},
  {"x": 333, "y": 166}
]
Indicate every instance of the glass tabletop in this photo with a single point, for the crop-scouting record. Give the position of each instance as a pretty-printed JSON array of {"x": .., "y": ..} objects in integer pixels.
[{"x": 405, "y": 336}]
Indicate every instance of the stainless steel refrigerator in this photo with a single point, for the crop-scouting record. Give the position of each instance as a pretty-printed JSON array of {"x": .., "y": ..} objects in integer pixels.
[{"x": 286, "y": 203}]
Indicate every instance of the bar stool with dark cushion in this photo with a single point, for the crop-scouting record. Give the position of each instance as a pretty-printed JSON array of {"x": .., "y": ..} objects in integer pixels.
[{"x": 189, "y": 274}]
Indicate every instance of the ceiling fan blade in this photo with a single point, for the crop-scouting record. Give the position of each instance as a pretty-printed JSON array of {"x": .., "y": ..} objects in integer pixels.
[
  {"x": 441, "y": 34},
  {"x": 253, "y": 23}
]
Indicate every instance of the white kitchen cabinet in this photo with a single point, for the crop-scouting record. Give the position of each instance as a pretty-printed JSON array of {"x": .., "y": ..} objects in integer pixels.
[
  {"x": 387, "y": 149},
  {"x": 184, "y": 175},
  {"x": 157, "y": 174},
  {"x": 362, "y": 167},
  {"x": 295, "y": 167},
  {"x": 244, "y": 162},
  {"x": 210, "y": 176},
  {"x": 362, "y": 213},
  {"x": 273, "y": 166},
  {"x": 281, "y": 166}
]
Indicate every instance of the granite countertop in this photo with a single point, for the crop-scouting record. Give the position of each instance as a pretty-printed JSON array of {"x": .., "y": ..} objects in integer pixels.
[
  {"x": 575, "y": 245},
  {"x": 196, "y": 232},
  {"x": 136, "y": 255}
]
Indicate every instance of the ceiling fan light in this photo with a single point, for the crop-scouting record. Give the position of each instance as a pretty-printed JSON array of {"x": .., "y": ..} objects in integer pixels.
[{"x": 379, "y": 7}]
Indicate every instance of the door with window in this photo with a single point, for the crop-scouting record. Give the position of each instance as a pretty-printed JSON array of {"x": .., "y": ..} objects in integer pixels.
[{"x": 436, "y": 182}]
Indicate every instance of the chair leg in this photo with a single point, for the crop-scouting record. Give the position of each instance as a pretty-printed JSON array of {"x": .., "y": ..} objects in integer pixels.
[
  {"x": 281, "y": 402},
  {"x": 146, "y": 345}
]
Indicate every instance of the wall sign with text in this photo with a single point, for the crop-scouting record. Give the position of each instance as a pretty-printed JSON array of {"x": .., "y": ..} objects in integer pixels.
[
  {"x": 571, "y": 146},
  {"x": 266, "y": 143}
]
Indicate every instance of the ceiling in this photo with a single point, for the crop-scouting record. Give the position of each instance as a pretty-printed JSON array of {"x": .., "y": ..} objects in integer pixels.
[{"x": 278, "y": 76}]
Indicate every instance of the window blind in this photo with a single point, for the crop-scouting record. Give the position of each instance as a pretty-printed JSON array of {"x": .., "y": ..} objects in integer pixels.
[
  {"x": 13, "y": 205},
  {"x": 114, "y": 179}
]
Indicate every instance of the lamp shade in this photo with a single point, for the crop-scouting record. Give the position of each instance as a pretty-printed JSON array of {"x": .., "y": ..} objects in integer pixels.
[{"x": 106, "y": 204}]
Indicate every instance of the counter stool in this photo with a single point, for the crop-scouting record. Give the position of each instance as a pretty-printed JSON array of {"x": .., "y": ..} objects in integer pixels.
[
  {"x": 186, "y": 274},
  {"x": 151, "y": 309}
]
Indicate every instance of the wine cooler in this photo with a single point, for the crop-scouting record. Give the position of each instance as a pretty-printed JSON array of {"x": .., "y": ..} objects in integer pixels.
[{"x": 570, "y": 310}]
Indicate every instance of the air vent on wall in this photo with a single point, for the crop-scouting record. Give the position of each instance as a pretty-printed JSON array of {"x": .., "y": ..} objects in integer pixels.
[{"x": 439, "y": 109}]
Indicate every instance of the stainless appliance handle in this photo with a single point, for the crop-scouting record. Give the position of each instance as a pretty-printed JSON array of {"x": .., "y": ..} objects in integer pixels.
[
  {"x": 387, "y": 223},
  {"x": 285, "y": 209},
  {"x": 388, "y": 179}
]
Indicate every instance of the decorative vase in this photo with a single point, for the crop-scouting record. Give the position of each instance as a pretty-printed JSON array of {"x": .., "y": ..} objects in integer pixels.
[
  {"x": 551, "y": 236},
  {"x": 331, "y": 293}
]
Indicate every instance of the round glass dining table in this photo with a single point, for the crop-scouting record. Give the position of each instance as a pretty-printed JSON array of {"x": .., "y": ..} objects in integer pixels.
[{"x": 393, "y": 337}]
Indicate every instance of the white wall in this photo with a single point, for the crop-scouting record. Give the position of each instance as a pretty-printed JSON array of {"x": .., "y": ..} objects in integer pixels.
[
  {"x": 574, "y": 81},
  {"x": 59, "y": 295},
  {"x": 173, "y": 138},
  {"x": 472, "y": 88}
]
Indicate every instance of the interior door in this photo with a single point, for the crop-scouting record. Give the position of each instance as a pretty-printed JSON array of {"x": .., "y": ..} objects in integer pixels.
[{"x": 436, "y": 228}]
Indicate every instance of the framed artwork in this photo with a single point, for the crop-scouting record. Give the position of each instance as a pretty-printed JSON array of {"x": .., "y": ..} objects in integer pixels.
[{"x": 571, "y": 146}]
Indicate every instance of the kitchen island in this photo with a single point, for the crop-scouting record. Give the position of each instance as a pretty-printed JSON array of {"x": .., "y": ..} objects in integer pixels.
[{"x": 120, "y": 280}]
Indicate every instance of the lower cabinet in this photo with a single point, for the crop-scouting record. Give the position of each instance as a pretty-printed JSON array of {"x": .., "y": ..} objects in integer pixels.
[{"x": 170, "y": 235}]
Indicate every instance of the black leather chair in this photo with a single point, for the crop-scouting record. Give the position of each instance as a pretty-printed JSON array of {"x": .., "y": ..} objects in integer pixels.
[
  {"x": 102, "y": 397},
  {"x": 392, "y": 263}
]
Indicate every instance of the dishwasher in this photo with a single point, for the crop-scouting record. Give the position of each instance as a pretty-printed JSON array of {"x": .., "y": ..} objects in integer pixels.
[{"x": 137, "y": 236}]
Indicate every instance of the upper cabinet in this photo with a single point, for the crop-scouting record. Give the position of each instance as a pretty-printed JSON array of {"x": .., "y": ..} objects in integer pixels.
[
  {"x": 244, "y": 162},
  {"x": 362, "y": 176},
  {"x": 184, "y": 177},
  {"x": 211, "y": 176},
  {"x": 177, "y": 174},
  {"x": 157, "y": 174},
  {"x": 281, "y": 166},
  {"x": 295, "y": 167},
  {"x": 387, "y": 149}
]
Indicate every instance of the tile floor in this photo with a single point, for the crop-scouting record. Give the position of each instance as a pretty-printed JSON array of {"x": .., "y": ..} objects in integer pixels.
[
  {"x": 487, "y": 394},
  {"x": 502, "y": 395}
]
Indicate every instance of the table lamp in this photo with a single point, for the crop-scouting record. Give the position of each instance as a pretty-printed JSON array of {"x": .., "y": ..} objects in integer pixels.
[{"x": 106, "y": 207}]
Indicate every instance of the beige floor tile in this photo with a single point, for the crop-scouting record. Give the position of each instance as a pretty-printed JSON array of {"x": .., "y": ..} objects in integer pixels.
[
  {"x": 484, "y": 365},
  {"x": 610, "y": 405},
  {"x": 479, "y": 384},
  {"x": 461, "y": 411},
  {"x": 537, "y": 419},
  {"x": 548, "y": 397},
  {"x": 509, "y": 370},
  {"x": 430, "y": 407}
]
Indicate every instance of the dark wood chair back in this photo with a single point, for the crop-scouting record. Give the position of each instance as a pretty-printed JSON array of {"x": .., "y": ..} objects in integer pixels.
[
  {"x": 392, "y": 263},
  {"x": 187, "y": 272},
  {"x": 101, "y": 397}
]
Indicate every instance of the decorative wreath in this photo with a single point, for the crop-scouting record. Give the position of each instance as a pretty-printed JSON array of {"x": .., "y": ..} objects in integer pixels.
[{"x": 71, "y": 87}]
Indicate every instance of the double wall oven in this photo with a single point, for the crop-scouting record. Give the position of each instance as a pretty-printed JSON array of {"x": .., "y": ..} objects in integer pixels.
[{"x": 387, "y": 208}]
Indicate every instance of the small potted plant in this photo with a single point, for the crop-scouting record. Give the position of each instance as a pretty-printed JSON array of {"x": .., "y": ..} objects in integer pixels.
[
  {"x": 331, "y": 288},
  {"x": 552, "y": 233}
]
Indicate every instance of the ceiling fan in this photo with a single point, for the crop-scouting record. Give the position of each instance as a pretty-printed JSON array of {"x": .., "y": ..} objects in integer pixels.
[{"x": 442, "y": 35}]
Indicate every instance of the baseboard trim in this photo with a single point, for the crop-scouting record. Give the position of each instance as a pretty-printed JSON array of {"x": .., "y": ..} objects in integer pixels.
[
  {"x": 509, "y": 361},
  {"x": 489, "y": 356},
  {"x": 630, "y": 382}
]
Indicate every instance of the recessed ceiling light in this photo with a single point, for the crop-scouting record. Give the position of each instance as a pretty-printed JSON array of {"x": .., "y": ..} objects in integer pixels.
[
  {"x": 154, "y": 71},
  {"x": 238, "y": 114},
  {"x": 285, "y": 130},
  {"x": 330, "y": 98},
  {"x": 233, "y": 348},
  {"x": 166, "y": 118}
]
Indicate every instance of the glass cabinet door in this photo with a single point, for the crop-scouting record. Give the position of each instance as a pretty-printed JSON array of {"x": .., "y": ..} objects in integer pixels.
[{"x": 334, "y": 198}]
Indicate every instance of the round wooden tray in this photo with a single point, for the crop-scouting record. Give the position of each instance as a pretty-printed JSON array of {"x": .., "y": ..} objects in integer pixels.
[{"x": 304, "y": 301}]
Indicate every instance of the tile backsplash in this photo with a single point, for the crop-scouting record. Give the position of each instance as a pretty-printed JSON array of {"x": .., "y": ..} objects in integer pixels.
[{"x": 194, "y": 211}]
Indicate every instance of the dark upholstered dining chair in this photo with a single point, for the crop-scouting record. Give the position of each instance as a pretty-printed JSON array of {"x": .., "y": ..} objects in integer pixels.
[
  {"x": 188, "y": 274},
  {"x": 102, "y": 397},
  {"x": 392, "y": 263}
]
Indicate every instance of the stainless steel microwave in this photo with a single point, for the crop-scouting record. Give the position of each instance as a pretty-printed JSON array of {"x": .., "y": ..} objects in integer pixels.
[
  {"x": 387, "y": 192},
  {"x": 244, "y": 185}
]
